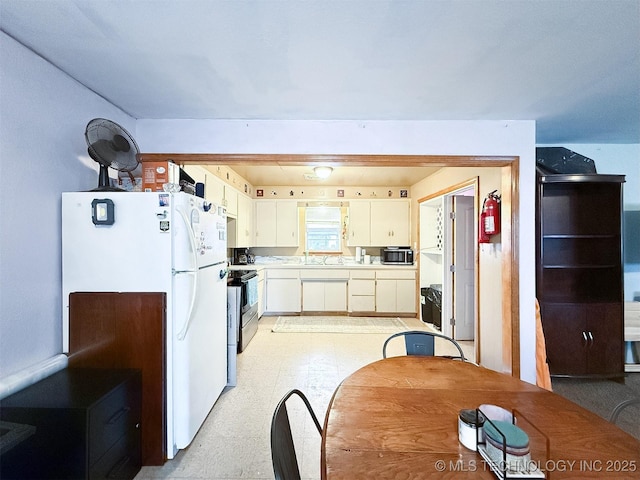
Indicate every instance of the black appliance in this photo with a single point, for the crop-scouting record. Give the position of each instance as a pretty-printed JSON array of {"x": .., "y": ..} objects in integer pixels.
[
  {"x": 242, "y": 256},
  {"x": 245, "y": 285},
  {"x": 431, "y": 299},
  {"x": 396, "y": 255}
]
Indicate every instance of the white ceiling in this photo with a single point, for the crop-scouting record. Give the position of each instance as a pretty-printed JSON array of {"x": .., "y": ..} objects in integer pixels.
[
  {"x": 342, "y": 176},
  {"x": 573, "y": 66}
]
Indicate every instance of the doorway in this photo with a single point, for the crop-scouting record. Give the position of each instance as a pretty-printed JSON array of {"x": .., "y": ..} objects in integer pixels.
[
  {"x": 508, "y": 332},
  {"x": 448, "y": 263}
]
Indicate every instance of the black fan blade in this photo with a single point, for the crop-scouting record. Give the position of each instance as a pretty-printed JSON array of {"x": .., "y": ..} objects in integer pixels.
[
  {"x": 120, "y": 144},
  {"x": 104, "y": 150}
]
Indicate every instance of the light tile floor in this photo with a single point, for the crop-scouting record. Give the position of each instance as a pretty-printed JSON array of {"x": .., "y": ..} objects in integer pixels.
[{"x": 234, "y": 441}]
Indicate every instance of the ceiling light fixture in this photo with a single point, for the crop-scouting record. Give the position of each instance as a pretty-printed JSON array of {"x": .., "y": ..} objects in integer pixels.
[{"x": 323, "y": 172}]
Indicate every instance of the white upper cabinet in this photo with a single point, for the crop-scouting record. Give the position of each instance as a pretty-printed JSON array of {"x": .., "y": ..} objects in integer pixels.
[
  {"x": 276, "y": 223},
  {"x": 213, "y": 187},
  {"x": 287, "y": 223},
  {"x": 390, "y": 223},
  {"x": 231, "y": 200},
  {"x": 244, "y": 222},
  {"x": 359, "y": 234},
  {"x": 265, "y": 223}
]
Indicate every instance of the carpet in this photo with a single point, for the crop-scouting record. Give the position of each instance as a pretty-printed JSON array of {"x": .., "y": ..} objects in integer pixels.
[
  {"x": 601, "y": 396},
  {"x": 338, "y": 324}
]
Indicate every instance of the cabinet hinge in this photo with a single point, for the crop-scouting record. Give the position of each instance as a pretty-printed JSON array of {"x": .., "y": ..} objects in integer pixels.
[
  {"x": 452, "y": 215},
  {"x": 452, "y": 268},
  {"x": 452, "y": 321}
]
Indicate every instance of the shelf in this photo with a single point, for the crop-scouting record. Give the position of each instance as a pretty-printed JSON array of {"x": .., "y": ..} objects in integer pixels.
[
  {"x": 431, "y": 251},
  {"x": 580, "y": 266},
  {"x": 578, "y": 236}
]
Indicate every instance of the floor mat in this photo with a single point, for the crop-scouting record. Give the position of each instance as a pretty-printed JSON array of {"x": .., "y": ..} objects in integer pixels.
[{"x": 338, "y": 324}]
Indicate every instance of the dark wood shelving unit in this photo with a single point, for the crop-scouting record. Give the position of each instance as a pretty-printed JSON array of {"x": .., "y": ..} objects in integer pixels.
[{"x": 579, "y": 281}]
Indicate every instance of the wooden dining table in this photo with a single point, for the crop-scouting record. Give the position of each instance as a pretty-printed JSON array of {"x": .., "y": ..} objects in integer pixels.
[{"x": 398, "y": 418}]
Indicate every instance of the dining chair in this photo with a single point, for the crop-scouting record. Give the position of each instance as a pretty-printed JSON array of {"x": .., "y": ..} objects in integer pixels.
[
  {"x": 418, "y": 342},
  {"x": 622, "y": 406},
  {"x": 283, "y": 452}
]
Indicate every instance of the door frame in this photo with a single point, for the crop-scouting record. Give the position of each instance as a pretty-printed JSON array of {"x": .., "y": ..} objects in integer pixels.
[
  {"x": 510, "y": 208},
  {"x": 444, "y": 194}
]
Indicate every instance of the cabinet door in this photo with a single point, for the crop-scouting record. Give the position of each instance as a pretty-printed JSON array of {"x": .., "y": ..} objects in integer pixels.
[
  {"x": 231, "y": 200},
  {"x": 244, "y": 222},
  {"x": 359, "y": 224},
  {"x": 606, "y": 343},
  {"x": 583, "y": 339},
  {"x": 313, "y": 296},
  {"x": 565, "y": 338},
  {"x": 214, "y": 189},
  {"x": 287, "y": 223},
  {"x": 389, "y": 223},
  {"x": 283, "y": 295},
  {"x": 406, "y": 296},
  {"x": 335, "y": 296},
  {"x": 362, "y": 303},
  {"x": 385, "y": 295},
  {"x": 260, "y": 297},
  {"x": 265, "y": 222}
]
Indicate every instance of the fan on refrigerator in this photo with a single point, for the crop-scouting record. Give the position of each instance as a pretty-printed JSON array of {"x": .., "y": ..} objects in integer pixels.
[{"x": 111, "y": 145}]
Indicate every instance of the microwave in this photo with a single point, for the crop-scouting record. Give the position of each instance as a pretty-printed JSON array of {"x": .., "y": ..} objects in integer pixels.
[{"x": 396, "y": 255}]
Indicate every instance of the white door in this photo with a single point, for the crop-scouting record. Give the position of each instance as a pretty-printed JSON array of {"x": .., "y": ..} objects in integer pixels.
[{"x": 464, "y": 271}]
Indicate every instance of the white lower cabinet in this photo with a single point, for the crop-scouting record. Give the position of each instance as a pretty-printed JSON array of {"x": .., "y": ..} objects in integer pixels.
[
  {"x": 293, "y": 290},
  {"x": 396, "y": 291},
  {"x": 324, "y": 290},
  {"x": 362, "y": 291},
  {"x": 260, "y": 293},
  {"x": 283, "y": 291}
]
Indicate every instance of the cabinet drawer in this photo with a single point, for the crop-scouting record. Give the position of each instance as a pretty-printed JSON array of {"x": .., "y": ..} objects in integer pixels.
[
  {"x": 362, "y": 273},
  {"x": 110, "y": 420},
  {"x": 283, "y": 273},
  {"x": 362, "y": 287},
  {"x": 324, "y": 274},
  {"x": 362, "y": 303},
  {"x": 396, "y": 274},
  {"x": 122, "y": 460}
]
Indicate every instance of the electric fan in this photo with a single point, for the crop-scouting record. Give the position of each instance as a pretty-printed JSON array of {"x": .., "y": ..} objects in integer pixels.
[{"x": 110, "y": 145}]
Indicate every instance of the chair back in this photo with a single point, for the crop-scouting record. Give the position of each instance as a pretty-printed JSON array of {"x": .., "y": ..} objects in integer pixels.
[
  {"x": 283, "y": 452},
  {"x": 418, "y": 342},
  {"x": 626, "y": 415}
]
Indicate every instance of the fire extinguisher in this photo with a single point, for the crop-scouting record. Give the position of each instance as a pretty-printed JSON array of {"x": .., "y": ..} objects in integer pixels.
[{"x": 489, "y": 218}]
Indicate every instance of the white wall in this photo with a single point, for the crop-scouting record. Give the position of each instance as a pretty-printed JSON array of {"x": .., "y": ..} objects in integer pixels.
[
  {"x": 42, "y": 153},
  {"x": 510, "y": 138},
  {"x": 620, "y": 159},
  {"x": 489, "y": 259}
]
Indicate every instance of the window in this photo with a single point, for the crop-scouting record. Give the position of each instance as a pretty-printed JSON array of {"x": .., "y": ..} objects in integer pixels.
[{"x": 323, "y": 229}]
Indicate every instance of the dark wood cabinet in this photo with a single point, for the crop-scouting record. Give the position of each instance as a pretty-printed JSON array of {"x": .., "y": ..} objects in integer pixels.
[
  {"x": 126, "y": 330},
  {"x": 579, "y": 281},
  {"x": 76, "y": 424}
]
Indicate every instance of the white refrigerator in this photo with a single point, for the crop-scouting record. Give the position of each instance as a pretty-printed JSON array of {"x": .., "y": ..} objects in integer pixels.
[{"x": 158, "y": 242}]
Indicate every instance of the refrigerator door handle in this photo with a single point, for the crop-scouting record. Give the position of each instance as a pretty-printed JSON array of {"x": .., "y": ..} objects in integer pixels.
[{"x": 183, "y": 332}]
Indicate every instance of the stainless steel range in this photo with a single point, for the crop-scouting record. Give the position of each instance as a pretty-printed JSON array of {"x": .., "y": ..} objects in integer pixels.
[{"x": 242, "y": 293}]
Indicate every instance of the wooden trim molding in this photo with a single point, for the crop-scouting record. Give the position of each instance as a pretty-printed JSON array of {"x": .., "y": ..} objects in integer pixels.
[{"x": 353, "y": 160}]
